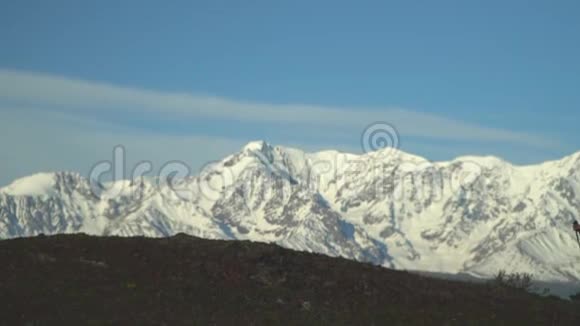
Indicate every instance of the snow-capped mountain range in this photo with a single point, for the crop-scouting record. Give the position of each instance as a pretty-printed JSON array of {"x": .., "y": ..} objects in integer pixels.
[{"x": 473, "y": 214}]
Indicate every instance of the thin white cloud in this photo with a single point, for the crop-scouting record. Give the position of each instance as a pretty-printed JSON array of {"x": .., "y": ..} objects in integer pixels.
[
  {"x": 55, "y": 92},
  {"x": 60, "y": 142}
]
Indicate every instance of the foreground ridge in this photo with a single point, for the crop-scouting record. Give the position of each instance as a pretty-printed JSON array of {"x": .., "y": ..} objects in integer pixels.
[{"x": 186, "y": 280}]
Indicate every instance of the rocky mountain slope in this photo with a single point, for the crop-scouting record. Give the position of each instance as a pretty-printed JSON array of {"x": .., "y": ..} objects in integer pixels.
[{"x": 472, "y": 215}]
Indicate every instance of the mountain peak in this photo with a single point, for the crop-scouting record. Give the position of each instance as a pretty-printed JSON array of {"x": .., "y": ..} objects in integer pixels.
[
  {"x": 260, "y": 148},
  {"x": 488, "y": 160},
  {"x": 42, "y": 184},
  {"x": 35, "y": 185},
  {"x": 256, "y": 145}
]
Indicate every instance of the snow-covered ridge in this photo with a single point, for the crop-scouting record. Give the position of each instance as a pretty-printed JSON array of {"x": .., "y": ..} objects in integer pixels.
[
  {"x": 472, "y": 214},
  {"x": 41, "y": 184}
]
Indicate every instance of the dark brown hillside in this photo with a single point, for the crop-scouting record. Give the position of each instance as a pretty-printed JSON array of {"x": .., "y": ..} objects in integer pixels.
[{"x": 82, "y": 280}]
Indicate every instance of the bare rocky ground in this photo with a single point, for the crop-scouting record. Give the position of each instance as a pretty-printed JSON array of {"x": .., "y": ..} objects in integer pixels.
[{"x": 83, "y": 280}]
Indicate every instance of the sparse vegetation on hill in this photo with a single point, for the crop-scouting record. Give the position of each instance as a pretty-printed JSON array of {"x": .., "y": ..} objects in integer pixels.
[
  {"x": 77, "y": 279},
  {"x": 518, "y": 281}
]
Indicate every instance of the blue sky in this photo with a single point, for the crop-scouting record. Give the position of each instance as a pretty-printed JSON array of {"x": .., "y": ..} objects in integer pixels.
[{"x": 195, "y": 80}]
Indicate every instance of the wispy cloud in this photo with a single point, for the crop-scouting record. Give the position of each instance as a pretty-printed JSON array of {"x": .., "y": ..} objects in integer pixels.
[
  {"x": 77, "y": 96},
  {"x": 60, "y": 142},
  {"x": 53, "y": 123}
]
